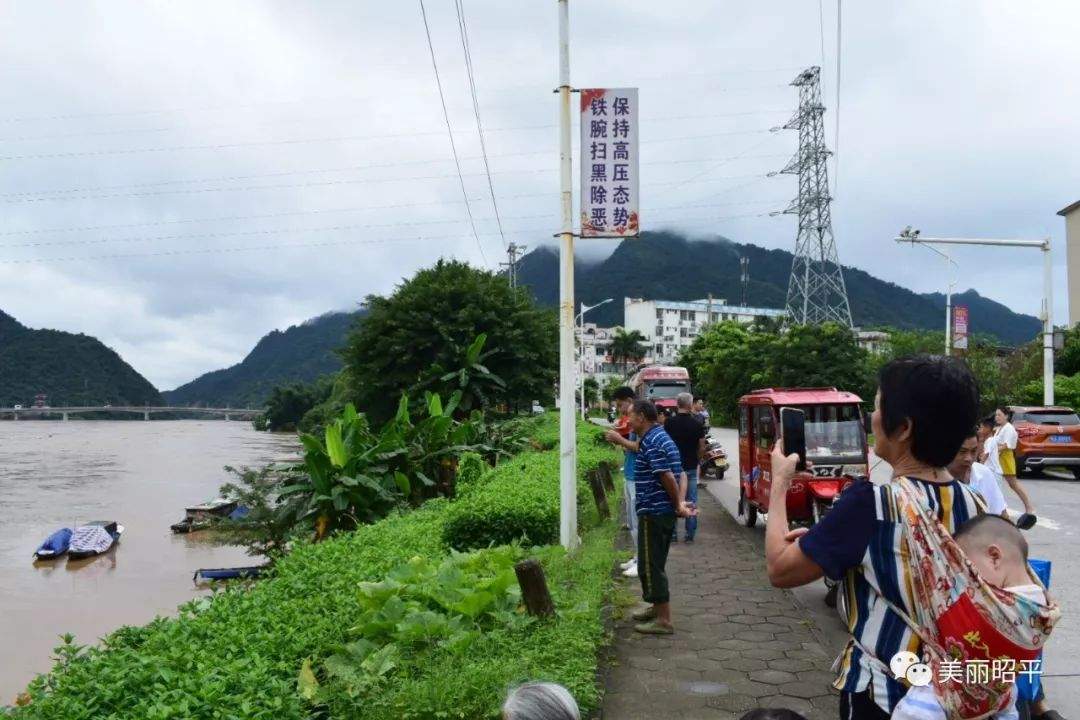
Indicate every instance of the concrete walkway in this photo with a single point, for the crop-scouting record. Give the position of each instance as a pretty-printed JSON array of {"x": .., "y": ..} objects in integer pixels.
[{"x": 739, "y": 643}]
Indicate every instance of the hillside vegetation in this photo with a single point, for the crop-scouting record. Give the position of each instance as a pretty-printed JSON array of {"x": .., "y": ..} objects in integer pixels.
[
  {"x": 69, "y": 369},
  {"x": 301, "y": 353}
]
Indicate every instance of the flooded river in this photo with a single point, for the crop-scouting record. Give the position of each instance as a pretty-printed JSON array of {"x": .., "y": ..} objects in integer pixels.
[{"x": 141, "y": 474}]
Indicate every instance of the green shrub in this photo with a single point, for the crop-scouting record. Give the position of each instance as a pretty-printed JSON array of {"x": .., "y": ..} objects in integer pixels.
[
  {"x": 519, "y": 500},
  {"x": 471, "y": 468}
]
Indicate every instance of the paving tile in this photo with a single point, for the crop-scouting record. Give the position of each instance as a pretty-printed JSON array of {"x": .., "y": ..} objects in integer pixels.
[{"x": 739, "y": 643}]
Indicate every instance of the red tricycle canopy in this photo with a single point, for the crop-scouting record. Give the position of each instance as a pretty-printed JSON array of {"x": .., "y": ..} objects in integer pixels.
[{"x": 799, "y": 396}]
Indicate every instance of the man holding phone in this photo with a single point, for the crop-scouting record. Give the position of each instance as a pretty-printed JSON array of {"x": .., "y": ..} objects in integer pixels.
[{"x": 659, "y": 500}]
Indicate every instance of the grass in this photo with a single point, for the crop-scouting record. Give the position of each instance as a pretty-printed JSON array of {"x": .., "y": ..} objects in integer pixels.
[{"x": 239, "y": 653}]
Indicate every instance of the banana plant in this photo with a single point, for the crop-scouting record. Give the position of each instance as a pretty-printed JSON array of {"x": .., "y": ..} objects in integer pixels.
[{"x": 348, "y": 478}]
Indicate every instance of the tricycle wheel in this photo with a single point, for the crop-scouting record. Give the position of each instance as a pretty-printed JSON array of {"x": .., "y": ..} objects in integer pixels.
[{"x": 746, "y": 507}]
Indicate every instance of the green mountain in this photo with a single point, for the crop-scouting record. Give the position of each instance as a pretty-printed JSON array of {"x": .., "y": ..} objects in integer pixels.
[
  {"x": 69, "y": 369},
  {"x": 665, "y": 265},
  {"x": 301, "y": 353}
]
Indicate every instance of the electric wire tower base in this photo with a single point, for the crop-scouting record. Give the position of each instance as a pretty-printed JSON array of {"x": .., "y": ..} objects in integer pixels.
[{"x": 816, "y": 291}]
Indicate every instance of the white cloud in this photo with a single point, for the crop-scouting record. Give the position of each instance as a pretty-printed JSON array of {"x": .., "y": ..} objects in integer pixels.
[{"x": 954, "y": 118}]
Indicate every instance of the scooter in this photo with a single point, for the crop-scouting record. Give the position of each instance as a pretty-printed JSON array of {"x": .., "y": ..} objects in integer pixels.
[{"x": 714, "y": 462}]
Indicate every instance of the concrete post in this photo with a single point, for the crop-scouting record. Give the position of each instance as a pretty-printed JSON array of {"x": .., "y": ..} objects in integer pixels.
[{"x": 146, "y": 415}]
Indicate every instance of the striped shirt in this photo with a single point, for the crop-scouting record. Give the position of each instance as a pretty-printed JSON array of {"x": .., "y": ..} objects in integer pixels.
[
  {"x": 656, "y": 455},
  {"x": 881, "y": 572}
]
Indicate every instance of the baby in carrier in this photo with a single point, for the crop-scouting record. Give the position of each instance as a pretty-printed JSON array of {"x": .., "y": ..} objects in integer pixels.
[{"x": 999, "y": 552}]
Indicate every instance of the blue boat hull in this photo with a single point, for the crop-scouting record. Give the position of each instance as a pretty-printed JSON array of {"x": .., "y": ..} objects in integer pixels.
[
  {"x": 228, "y": 573},
  {"x": 55, "y": 545}
]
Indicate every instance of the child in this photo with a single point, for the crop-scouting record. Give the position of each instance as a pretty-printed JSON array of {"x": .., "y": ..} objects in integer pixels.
[{"x": 999, "y": 552}]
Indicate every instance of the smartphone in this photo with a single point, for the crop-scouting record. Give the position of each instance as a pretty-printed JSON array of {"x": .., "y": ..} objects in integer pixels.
[{"x": 793, "y": 432}]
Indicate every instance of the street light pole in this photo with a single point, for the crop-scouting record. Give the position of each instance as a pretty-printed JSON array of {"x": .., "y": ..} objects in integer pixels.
[
  {"x": 950, "y": 264},
  {"x": 913, "y": 236},
  {"x": 579, "y": 323},
  {"x": 567, "y": 422}
]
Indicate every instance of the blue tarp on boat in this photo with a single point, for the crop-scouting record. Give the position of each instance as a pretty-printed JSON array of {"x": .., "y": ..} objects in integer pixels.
[{"x": 55, "y": 545}]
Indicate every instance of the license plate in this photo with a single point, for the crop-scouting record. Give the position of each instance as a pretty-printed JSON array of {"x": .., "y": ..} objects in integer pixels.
[{"x": 1061, "y": 438}]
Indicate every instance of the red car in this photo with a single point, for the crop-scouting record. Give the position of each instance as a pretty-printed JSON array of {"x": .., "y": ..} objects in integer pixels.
[{"x": 1047, "y": 437}]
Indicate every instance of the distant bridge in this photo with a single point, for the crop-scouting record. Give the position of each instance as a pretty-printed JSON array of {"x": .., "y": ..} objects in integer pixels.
[{"x": 146, "y": 411}]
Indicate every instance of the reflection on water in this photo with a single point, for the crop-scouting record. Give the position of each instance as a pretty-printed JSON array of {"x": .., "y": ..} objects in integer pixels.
[{"x": 140, "y": 474}]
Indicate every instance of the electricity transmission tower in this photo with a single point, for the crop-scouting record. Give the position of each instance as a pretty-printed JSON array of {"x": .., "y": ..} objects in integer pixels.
[
  {"x": 816, "y": 290},
  {"x": 512, "y": 261}
]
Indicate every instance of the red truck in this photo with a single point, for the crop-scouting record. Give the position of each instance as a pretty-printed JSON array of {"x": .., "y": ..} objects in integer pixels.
[{"x": 661, "y": 384}]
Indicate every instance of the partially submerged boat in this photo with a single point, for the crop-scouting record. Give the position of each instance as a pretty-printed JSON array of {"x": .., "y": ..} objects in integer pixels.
[
  {"x": 200, "y": 516},
  {"x": 94, "y": 538},
  {"x": 203, "y": 575},
  {"x": 55, "y": 545}
]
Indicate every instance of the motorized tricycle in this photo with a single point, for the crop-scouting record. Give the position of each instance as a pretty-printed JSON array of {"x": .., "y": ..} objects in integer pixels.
[{"x": 836, "y": 452}]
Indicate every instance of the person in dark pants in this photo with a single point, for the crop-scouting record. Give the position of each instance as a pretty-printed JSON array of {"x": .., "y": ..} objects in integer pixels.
[
  {"x": 659, "y": 500},
  {"x": 689, "y": 436},
  {"x": 924, "y": 409}
]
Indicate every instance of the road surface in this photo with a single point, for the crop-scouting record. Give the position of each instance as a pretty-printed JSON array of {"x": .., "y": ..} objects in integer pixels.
[{"x": 1057, "y": 502}]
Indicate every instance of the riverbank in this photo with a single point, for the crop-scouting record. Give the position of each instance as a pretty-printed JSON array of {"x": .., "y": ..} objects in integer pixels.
[
  {"x": 143, "y": 475},
  {"x": 291, "y": 644}
]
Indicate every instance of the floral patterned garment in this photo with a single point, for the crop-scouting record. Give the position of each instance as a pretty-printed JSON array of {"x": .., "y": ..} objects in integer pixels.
[{"x": 964, "y": 621}]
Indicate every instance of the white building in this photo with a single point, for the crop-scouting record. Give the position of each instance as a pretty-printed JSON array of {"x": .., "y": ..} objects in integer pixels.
[
  {"x": 670, "y": 326},
  {"x": 874, "y": 341},
  {"x": 594, "y": 345}
]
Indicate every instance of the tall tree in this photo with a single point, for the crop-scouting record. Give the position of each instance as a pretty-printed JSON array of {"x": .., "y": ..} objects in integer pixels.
[
  {"x": 627, "y": 347},
  {"x": 410, "y": 340}
]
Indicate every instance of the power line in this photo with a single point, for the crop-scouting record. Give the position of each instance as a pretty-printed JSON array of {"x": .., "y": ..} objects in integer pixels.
[
  {"x": 464, "y": 32},
  {"x": 710, "y": 224},
  {"x": 450, "y": 131},
  {"x": 329, "y": 228},
  {"x": 340, "y": 100},
  {"x": 836, "y": 137},
  {"x": 821, "y": 28},
  {"x": 300, "y": 141},
  {"x": 69, "y": 193}
]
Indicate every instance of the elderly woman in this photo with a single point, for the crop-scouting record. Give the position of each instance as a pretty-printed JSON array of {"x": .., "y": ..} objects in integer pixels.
[
  {"x": 924, "y": 410},
  {"x": 540, "y": 701}
]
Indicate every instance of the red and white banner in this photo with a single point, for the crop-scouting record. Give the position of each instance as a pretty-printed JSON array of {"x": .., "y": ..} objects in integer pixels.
[
  {"x": 960, "y": 327},
  {"x": 609, "y": 163}
]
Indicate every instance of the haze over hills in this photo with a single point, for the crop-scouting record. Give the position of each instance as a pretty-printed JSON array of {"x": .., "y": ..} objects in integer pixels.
[
  {"x": 70, "y": 369},
  {"x": 300, "y": 353},
  {"x": 668, "y": 266}
]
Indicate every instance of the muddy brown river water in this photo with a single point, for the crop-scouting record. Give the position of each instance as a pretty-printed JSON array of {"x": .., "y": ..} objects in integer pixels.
[{"x": 141, "y": 474}]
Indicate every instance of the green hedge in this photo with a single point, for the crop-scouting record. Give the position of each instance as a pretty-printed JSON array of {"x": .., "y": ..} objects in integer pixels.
[
  {"x": 238, "y": 655},
  {"x": 519, "y": 499}
]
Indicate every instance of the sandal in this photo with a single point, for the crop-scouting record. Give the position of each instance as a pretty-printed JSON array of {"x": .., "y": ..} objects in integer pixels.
[
  {"x": 654, "y": 628},
  {"x": 644, "y": 614}
]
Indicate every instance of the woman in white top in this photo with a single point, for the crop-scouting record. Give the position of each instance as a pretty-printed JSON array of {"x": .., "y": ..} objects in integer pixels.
[{"x": 1005, "y": 438}]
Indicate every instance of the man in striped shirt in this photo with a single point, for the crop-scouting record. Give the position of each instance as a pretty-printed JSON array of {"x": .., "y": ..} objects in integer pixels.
[{"x": 660, "y": 487}]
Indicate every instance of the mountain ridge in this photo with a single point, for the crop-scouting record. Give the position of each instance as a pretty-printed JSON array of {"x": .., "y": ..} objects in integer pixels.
[
  {"x": 300, "y": 353},
  {"x": 712, "y": 266},
  {"x": 68, "y": 368}
]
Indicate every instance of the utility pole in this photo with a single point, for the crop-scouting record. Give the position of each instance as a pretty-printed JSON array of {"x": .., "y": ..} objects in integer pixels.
[
  {"x": 816, "y": 290},
  {"x": 512, "y": 251},
  {"x": 744, "y": 278},
  {"x": 567, "y": 415}
]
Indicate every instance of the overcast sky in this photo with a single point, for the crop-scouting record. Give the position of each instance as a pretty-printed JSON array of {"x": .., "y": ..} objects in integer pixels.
[{"x": 178, "y": 179}]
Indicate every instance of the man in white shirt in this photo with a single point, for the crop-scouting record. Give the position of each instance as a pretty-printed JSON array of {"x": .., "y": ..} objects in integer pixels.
[{"x": 981, "y": 478}]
